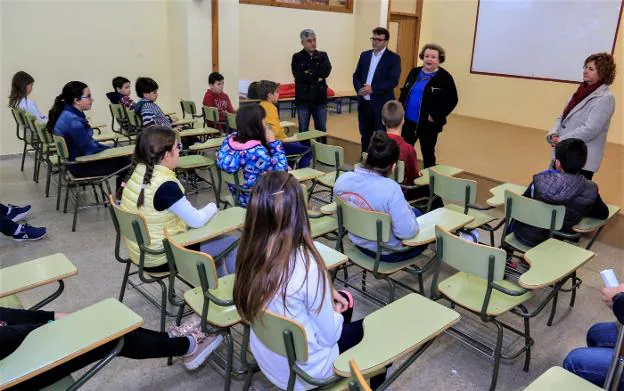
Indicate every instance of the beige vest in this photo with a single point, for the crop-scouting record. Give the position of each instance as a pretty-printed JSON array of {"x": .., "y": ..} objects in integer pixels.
[{"x": 156, "y": 221}]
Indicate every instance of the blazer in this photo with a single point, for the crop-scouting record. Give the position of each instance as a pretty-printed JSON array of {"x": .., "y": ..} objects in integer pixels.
[
  {"x": 386, "y": 76},
  {"x": 439, "y": 98},
  {"x": 589, "y": 121}
]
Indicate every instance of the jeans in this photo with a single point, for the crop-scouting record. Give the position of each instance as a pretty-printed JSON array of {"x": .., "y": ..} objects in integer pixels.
[
  {"x": 318, "y": 112},
  {"x": 592, "y": 363},
  {"x": 7, "y": 226},
  {"x": 298, "y": 148},
  {"x": 398, "y": 257}
]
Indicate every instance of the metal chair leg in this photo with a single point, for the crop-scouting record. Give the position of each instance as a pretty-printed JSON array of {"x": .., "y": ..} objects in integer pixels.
[
  {"x": 48, "y": 179},
  {"x": 554, "y": 309},
  {"x": 24, "y": 153},
  {"x": 58, "y": 189},
  {"x": 230, "y": 358},
  {"x": 67, "y": 186},
  {"x": 214, "y": 187},
  {"x": 76, "y": 205},
  {"x": 124, "y": 282},
  {"x": 527, "y": 344},
  {"x": 497, "y": 355},
  {"x": 163, "y": 305}
]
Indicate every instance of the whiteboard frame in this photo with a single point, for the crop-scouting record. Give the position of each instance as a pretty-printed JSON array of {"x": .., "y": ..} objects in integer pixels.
[{"x": 474, "y": 39}]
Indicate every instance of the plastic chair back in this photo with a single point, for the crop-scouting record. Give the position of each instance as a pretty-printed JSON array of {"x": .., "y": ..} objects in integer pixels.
[
  {"x": 134, "y": 120},
  {"x": 270, "y": 329},
  {"x": 362, "y": 222},
  {"x": 469, "y": 257},
  {"x": 188, "y": 107},
  {"x": 186, "y": 261},
  {"x": 326, "y": 154},
  {"x": 127, "y": 221},
  {"x": 533, "y": 212},
  {"x": 453, "y": 189},
  {"x": 61, "y": 147},
  {"x": 231, "y": 121},
  {"x": 211, "y": 114}
]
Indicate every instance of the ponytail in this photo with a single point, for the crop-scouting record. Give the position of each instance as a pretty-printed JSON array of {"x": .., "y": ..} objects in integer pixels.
[{"x": 72, "y": 90}]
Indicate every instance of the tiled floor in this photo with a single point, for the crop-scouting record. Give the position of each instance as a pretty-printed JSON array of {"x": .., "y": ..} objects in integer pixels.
[{"x": 447, "y": 365}]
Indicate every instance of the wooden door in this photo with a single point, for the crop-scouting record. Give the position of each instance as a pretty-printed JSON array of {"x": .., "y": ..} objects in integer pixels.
[{"x": 404, "y": 31}]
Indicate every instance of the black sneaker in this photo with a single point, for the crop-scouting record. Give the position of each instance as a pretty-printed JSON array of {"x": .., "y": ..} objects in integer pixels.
[
  {"x": 26, "y": 232},
  {"x": 18, "y": 213}
]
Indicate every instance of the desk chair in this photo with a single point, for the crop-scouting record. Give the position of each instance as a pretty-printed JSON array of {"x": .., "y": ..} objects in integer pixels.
[
  {"x": 26, "y": 135},
  {"x": 230, "y": 122},
  {"x": 479, "y": 287},
  {"x": 211, "y": 118},
  {"x": 188, "y": 107},
  {"x": 331, "y": 156},
  {"x": 46, "y": 151}
]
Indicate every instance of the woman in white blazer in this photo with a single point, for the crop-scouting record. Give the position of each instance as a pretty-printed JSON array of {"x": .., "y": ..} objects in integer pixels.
[{"x": 588, "y": 113}]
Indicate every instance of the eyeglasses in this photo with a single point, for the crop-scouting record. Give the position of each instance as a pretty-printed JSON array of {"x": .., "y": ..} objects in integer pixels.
[{"x": 377, "y": 39}]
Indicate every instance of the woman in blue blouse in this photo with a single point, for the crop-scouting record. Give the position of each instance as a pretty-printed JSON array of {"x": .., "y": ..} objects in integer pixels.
[{"x": 428, "y": 96}]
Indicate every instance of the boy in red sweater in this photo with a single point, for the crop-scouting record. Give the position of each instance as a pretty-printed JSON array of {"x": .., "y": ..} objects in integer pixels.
[
  {"x": 392, "y": 116},
  {"x": 215, "y": 97}
]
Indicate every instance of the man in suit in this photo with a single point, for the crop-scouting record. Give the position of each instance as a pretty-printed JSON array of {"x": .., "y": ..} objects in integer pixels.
[{"x": 375, "y": 77}]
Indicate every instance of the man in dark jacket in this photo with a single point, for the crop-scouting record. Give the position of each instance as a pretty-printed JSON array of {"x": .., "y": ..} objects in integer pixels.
[
  {"x": 376, "y": 75},
  {"x": 310, "y": 68},
  {"x": 592, "y": 363},
  {"x": 563, "y": 186}
]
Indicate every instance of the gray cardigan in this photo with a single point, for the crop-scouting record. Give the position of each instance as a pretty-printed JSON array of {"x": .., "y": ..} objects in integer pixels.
[{"x": 589, "y": 121}]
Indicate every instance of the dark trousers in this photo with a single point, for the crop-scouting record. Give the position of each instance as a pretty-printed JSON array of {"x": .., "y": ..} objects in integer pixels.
[
  {"x": 369, "y": 120},
  {"x": 102, "y": 168},
  {"x": 587, "y": 174},
  {"x": 317, "y": 112},
  {"x": 7, "y": 226},
  {"x": 298, "y": 148},
  {"x": 138, "y": 344},
  {"x": 428, "y": 136}
]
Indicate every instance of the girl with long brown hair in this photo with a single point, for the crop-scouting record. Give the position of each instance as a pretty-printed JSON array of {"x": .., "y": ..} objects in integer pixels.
[
  {"x": 21, "y": 87},
  {"x": 279, "y": 269}
]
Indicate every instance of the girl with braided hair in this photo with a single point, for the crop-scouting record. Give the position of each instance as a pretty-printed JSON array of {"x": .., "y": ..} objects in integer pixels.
[{"x": 152, "y": 189}]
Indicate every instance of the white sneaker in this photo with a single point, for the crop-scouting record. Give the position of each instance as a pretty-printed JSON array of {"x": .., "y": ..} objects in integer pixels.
[{"x": 204, "y": 347}]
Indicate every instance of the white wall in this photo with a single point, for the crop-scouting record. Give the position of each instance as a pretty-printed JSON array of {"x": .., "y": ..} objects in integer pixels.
[{"x": 92, "y": 41}]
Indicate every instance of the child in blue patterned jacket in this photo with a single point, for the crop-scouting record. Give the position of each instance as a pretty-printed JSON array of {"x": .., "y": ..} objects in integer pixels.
[{"x": 252, "y": 148}]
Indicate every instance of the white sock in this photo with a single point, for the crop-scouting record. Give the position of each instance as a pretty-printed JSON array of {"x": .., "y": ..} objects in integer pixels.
[
  {"x": 192, "y": 345},
  {"x": 18, "y": 230},
  {"x": 9, "y": 210}
]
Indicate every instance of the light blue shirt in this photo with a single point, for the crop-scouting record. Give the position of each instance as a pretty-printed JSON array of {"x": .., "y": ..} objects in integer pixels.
[{"x": 375, "y": 58}]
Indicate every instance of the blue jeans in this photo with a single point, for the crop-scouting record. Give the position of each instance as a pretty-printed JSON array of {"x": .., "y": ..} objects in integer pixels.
[
  {"x": 298, "y": 148},
  {"x": 398, "y": 257},
  {"x": 318, "y": 112},
  {"x": 592, "y": 363}
]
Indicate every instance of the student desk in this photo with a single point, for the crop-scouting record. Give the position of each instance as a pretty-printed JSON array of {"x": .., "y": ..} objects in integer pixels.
[
  {"x": 108, "y": 136},
  {"x": 339, "y": 97},
  {"x": 551, "y": 261},
  {"x": 33, "y": 274},
  {"x": 333, "y": 259},
  {"x": 423, "y": 179},
  {"x": 60, "y": 341},
  {"x": 110, "y": 153},
  {"x": 198, "y": 132},
  {"x": 304, "y": 136},
  {"x": 287, "y": 124},
  {"x": 498, "y": 193},
  {"x": 404, "y": 327},
  {"x": 306, "y": 174},
  {"x": 224, "y": 221},
  {"x": 590, "y": 224},
  {"x": 208, "y": 144},
  {"x": 445, "y": 218}
]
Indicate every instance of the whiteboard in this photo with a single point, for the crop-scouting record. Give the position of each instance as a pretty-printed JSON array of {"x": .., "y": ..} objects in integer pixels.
[{"x": 543, "y": 39}]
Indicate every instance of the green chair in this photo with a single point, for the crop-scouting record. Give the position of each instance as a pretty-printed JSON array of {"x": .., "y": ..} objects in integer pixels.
[
  {"x": 321, "y": 225},
  {"x": 234, "y": 180},
  {"x": 120, "y": 116},
  {"x": 211, "y": 118},
  {"x": 210, "y": 297},
  {"x": 135, "y": 120},
  {"x": 45, "y": 151},
  {"x": 329, "y": 156},
  {"x": 188, "y": 107},
  {"x": 479, "y": 287},
  {"x": 463, "y": 192},
  {"x": 376, "y": 227},
  {"x": 131, "y": 227},
  {"x": 62, "y": 340},
  {"x": 26, "y": 135},
  {"x": 230, "y": 122},
  {"x": 188, "y": 164},
  {"x": 77, "y": 185}
]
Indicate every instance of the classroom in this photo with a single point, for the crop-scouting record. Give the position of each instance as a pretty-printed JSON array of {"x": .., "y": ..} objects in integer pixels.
[{"x": 311, "y": 194}]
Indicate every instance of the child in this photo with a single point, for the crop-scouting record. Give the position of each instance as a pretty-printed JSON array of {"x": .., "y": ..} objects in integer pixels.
[
  {"x": 150, "y": 113},
  {"x": 269, "y": 95},
  {"x": 139, "y": 344},
  {"x": 563, "y": 186},
  {"x": 215, "y": 97},
  {"x": 10, "y": 216},
  {"x": 252, "y": 148},
  {"x": 121, "y": 95},
  {"x": 280, "y": 270},
  {"x": 153, "y": 190},
  {"x": 369, "y": 187},
  {"x": 21, "y": 87}
]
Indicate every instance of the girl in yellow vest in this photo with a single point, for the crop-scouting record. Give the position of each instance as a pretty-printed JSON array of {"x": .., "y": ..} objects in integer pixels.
[{"x": 153, "y": 190}]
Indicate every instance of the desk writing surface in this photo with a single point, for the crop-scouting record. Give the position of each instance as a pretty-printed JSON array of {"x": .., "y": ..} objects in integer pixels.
[
  {"x": 305, "y": 174},
  {"x": 107, "y": 136},
  {"x": 446, "y": 218},
  {"x": 109, "y": 153},
  {"x": 208, "y": 144},
  {"x": 332, "y": 258},
  {"x": 304, "y": 136},
  {"x": 224, "y": 221},
  {"x": 198, "y": 132},
  {"x": 423, "y": 179},
  {"x": 498, "y": 193},
  {"x": 35, "y": 273}
]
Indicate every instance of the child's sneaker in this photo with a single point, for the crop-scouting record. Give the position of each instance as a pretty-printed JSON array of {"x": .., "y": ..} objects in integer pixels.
[
  {"x": 26, "y": 232},
  {"x": 18, "y": 213},
  {"x": 205, "y": 344},
  {"x": 186, "y": 328}
]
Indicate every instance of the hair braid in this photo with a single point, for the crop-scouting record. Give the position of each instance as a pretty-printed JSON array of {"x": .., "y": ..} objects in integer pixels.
[
  {"x": 133, "y": 165},
  {"x": 149, "y": 171}
]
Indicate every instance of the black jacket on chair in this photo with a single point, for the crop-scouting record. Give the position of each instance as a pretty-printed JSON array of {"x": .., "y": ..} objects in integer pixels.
[
  {"x": 310, "y": 72},
  {"x": 579, "y": 195},
  {"x": 439, "y": 98}
]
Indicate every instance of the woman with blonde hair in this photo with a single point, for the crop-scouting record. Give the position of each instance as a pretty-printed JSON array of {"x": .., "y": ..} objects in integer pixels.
[{"x": 588, "y": 113}]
